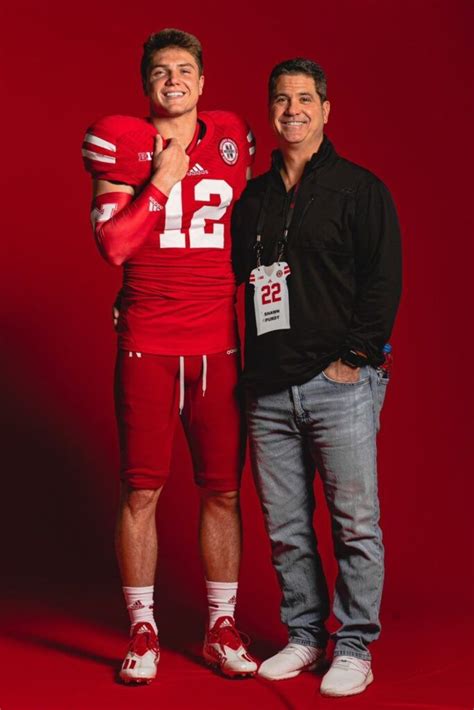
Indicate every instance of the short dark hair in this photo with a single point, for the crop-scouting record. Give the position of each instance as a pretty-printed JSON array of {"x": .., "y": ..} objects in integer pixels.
[
  {"x": 299, "y": 65},
  {"x": 169, "y": 37}
]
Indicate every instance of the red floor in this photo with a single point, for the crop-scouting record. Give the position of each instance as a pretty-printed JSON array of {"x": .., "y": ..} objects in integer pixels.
[{"x": 56, "y": 655}]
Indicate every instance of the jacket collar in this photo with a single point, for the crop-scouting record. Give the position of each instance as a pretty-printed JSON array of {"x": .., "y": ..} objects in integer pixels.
[{"x": 323, "y": 156}]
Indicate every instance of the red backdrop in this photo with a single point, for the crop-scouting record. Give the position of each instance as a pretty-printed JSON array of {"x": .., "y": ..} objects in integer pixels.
[{"x": 397, "y": 81}]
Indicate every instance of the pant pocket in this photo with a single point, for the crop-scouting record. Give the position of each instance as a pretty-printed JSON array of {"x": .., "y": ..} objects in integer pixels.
[{"x": 379, "y": 382}]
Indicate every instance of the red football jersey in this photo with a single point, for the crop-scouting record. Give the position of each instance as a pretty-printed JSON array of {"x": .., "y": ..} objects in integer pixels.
[{"x": 178, "y": 295}]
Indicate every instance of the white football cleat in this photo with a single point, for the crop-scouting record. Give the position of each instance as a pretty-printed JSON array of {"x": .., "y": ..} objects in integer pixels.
[
  {"x": 347, "y": 676},
  {"x": 224, "y": 649},
  {"x": 291, "y": 661},
  {"x": 139, "y": 665}
]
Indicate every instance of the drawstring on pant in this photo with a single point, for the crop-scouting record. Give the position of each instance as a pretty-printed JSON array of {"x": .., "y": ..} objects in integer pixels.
[
  {"x": 181, "y": 376},
  {"x": 181, "y": 383},
  {"x": 204, "y": 374},
  {"x": 181, "y": 380}
]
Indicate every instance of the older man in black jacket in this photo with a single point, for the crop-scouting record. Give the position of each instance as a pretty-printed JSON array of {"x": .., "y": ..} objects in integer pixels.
[{"x": 317, "y": 241}]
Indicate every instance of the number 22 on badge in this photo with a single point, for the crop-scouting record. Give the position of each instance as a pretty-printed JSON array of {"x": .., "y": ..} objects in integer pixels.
[{"x": 271, "y": 299}]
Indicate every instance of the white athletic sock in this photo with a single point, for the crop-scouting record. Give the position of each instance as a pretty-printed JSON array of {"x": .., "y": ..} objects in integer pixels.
[
  {"x": 139, "y": 601},
  {"x": 221, "y": 600}
]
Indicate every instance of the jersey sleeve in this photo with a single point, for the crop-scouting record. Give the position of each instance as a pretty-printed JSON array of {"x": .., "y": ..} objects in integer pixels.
[
  {"x": 122, "y": 223},
  {"x": 236, "y": 131},
  {"x": 119, "y": 149},
  {"x": 247, "y": 141}
]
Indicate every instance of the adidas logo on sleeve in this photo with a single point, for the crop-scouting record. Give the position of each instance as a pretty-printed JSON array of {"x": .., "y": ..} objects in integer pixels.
[{"x": 153, "y": 205}]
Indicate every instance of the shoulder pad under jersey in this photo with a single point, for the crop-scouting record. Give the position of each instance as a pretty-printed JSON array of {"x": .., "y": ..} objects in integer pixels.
[
  {"x": 232, "y": 126},
  {"x": 120, "y": 149}
]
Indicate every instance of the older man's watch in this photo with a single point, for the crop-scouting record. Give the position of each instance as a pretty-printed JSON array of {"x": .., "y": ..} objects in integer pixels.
[{"x": 354, "y": 358}]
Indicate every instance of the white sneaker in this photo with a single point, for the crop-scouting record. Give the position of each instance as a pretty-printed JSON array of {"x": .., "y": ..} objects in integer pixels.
[
  {"x": 291, "y": 661},
  {"x": 347, "y": 676}
]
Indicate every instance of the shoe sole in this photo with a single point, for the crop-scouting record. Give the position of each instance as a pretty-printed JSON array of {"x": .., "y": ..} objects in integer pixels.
[
  {"x": 139, "y": 680},
  {"x": 293, "y": 674},
  {"x": 354, "y": 691},
  {"x": 136, "y": 681},
  {"x": 229, "y": 674}
]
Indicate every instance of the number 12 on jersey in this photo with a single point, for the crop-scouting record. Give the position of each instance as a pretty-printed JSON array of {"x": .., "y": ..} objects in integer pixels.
[{"x": 173, "y": 235}]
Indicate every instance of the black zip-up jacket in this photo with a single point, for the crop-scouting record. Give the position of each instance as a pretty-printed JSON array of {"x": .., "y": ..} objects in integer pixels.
[{"x": 344, "y": 253}]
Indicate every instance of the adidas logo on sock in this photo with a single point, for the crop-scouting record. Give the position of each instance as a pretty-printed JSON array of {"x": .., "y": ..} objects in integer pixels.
[
  {"x": 136, "y": 605},
  {"x": 197, "y": 170},
  {"x": 154, "y": 206},
  {"x": 232, "y": 600}
]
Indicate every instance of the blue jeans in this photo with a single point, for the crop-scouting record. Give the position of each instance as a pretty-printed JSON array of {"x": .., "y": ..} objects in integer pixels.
[{"x": 330, "y": 426}]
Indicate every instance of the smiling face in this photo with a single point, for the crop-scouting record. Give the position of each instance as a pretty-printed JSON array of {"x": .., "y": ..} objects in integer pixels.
[
  {"x": 174, "y": 83},
  {"x": 297, "y": 113}
]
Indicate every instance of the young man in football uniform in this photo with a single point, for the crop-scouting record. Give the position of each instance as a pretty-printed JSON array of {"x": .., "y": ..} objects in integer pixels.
[{"x": 163, "y": 192}]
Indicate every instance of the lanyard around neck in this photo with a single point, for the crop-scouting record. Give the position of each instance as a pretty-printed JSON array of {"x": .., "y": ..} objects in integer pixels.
[{"x": 283, "y": 241}]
